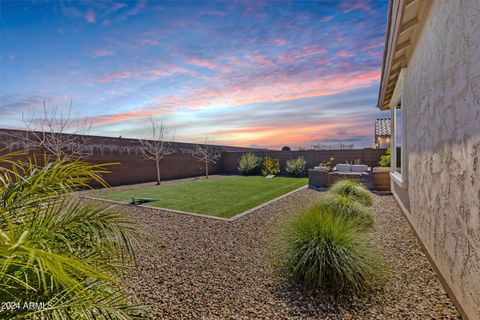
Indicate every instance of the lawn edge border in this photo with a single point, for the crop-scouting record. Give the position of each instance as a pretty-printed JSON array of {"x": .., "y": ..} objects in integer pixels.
[
  {"x": 157, "y": 208},
  {"x": 246, "y": 212},
  {"x": 201, "y": 215}
]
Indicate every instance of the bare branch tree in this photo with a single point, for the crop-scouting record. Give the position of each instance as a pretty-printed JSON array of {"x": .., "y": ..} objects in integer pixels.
[
  {"x": 205, "y": 153},
  {"x": 160, "y": 146},
  {"x": 59, "y": 134}
]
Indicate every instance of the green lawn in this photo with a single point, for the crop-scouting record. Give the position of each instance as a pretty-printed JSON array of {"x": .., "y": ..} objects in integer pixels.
[{"x": 221, "y": 197}]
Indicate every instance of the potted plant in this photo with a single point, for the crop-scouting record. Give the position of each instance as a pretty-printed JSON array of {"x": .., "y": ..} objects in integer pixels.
[
  {"x": 318, "y": 177},
  {"x": 381, "y": 174}
]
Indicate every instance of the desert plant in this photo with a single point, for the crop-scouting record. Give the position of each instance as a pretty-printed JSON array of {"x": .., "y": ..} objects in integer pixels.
[
  {"x": 328, "y": 165},
  {"x": 385, "y": 159},
  {"x": 270, "y": 166},
  {"x": 249, "y": 164},
  {"x": 354, "y": 189},
  {"x": 330, "y": 253},
  {"x": 296, "y": 167},
  {"x": 356, "y": 161},
  {"x": 56, "y": 250},
  {"x": 346, "y": 206}
]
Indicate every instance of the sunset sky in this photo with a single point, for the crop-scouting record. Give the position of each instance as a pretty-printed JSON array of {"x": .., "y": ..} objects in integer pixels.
[{"x": 245, "y": 73}]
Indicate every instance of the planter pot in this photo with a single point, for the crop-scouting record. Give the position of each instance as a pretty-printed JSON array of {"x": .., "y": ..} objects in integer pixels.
[
  {"x": 318, "y": 178},
  {"x": 381, "y": 178}
]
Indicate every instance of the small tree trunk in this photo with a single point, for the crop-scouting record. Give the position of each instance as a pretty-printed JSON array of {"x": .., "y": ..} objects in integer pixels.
[
  {"x": 206, "y": 170},
  {"x": 158, "y": 172}
]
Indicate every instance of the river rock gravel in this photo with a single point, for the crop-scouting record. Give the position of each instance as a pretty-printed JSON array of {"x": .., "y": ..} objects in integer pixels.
[{"x": 199, "y": 268}]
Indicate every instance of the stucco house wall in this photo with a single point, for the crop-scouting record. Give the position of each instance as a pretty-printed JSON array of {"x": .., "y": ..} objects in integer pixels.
[{"x": 441, "y": 102}]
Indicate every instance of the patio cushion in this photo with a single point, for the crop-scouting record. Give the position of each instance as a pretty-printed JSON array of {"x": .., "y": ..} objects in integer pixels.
[
  {"x": 347, "y": 173},
  {"x": 359, "y": 168},
  {"x": 344, "y": 167}
]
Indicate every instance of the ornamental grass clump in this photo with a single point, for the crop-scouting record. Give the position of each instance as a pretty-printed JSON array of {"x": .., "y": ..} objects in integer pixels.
[
  {"x": 249, "y": 164},
  {"x": 54, "y": 249},
  {"x": 348, "y": 207},
  {"x": 354, "y": 189},
  {"x": 330, "y": 253},
  {"x": 296, "y": 167}
]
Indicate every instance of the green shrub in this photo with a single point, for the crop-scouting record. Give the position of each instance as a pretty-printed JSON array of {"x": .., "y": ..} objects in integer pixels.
[
  {"x": 270, "y": 166},
  {"x": 352, "y": 188},
  {"x": 348, "y": 207},
  {"x": 249, "y": 164},
  {"x": 330, "y": 253},
  {"x": 385, "y": 159},
  {"x": 296, "y": 167}
]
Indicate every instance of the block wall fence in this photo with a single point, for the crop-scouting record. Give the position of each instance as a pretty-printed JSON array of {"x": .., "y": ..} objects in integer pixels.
[
  {"x": 133, "y": 168},
  {"x": 368, "y": 156}
]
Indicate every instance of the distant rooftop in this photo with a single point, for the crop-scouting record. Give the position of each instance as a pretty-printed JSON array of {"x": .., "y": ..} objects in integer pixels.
[{"x": 382, "y": 127}]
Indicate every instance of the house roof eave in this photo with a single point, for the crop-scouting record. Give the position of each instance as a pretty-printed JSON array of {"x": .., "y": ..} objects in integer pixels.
[{"x": 404, "y": 24}]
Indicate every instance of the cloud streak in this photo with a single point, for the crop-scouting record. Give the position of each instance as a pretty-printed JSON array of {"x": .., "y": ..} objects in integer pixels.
[{"x": 244, "y": 72}]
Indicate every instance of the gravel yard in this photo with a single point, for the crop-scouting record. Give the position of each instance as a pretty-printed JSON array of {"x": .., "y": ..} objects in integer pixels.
[{"x": 192, "y": 267}]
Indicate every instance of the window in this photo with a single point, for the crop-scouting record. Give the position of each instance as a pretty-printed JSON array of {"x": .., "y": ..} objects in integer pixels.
[
  {"x": 398, "y": 139},
  {"x": 398, "y": 170}
]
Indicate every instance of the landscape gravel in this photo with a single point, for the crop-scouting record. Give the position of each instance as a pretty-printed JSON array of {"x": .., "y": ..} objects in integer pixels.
[{"x": 198, "y": 268}]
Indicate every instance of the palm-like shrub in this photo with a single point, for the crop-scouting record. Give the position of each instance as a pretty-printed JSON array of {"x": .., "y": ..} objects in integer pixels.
[
  {"x": 249, "y": 164},
  {"x": 354, "y": 189},
  {"x": 296, "y": 167},
  {"x": 327, "y": 252},
  {"x": 56, "y": 250},
  {"x": 348, "y": 207}
]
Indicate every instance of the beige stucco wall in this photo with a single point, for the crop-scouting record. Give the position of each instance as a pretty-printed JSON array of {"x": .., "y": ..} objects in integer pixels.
[{"x": 441, "y": 98}]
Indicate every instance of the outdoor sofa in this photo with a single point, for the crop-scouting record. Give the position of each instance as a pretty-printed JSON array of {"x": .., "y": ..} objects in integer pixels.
[{"x": 321, "y": 178}]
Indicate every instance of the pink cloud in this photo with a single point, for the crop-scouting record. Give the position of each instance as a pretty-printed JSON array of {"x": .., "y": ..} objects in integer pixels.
[
  {"x": 280, "y": 87},
  {"x": 168, "y": 71},
  {"x": 259, "y": 59},
  {"x": 326, "y": 19},
  {"x": 280, "y": 41},
  {"x": 117, "y": 6},
  {"x": 345, "y": 54},
  {"x": 314, "y": 50},
  {"x": 102, "y": 52},
  {"x": 340, "y": 39},
  {"x": 295, "y": 55},
  {"x": 322, "y": 61},
  {"x": 122, "y": 116},
  {"x": 90, "y": 16},
  {"x": 141, "y": 4},
  {"x": 374, "y": 46},
  {"x": 235, "y": 61},
  {"x": 350, "y": 6},
  {"x": 204, "y": 63},
  {"x": 115, "y": 76},
  {"x": 274, "y": 135}
]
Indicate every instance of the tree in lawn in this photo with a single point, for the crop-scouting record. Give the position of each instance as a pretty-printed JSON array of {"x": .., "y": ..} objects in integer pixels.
[
  {"x": 58, "y": 133},
  {"x": 160, "y": 146},
  {"x": 206, "y": 154}
]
